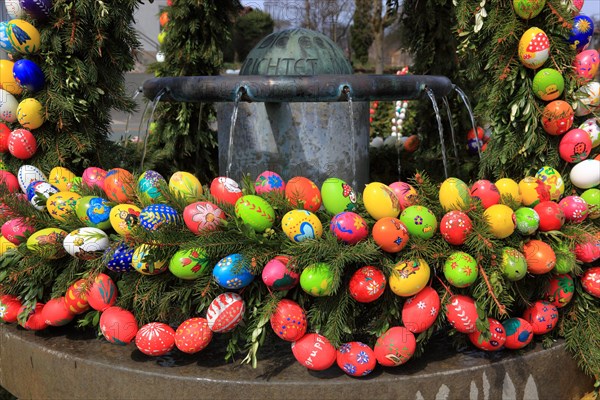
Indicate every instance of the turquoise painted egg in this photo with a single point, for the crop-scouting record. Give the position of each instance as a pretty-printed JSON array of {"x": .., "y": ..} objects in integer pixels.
[
  {"x": 317, "y": 279},
  {"x": 548, "y": 84},
  {"x": 269, "y": 181},
  {"x": 189, "y": 264},
  {"x": 255, "y": 211},
  {"x": 149, "y": 184},
  {"x": 299, "y": 225},
  {"x": 154, "y": 216},
  {"x": 419, "y": 221},
  {"x": 119, "y": 259},
  {"x": 337, "y": 196},
  {"x": 460, "y": 269},
  {"x": 233, "y": 272},
  {"x": 93, "y": 211},
  {"x": 528, "y": 220},
  {"x": 349, "y": 227}
]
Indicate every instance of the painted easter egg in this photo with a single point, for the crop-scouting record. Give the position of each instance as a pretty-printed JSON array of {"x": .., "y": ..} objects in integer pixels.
[
  {"x": 279, "y": 274},
  {"x": 269, "y": 181},
  {"x": 548, "y": 84},
  {"x": 419, "y": 221},
  {"x": 486, "y": 192},
  {"x": 14, "y": 8},
  {"x": 233, "y": 272},
  {"x": 22, "y": 144},
  {"x": 557, "y": 117},
  {"x": 585, "y": 174},
  {"x": 574, "y": 208},
  {"x": 454, "y": 195},
  {"x": 317, "y": 279},
  {"x": 460, "y": 269},
  {"x": 193, "y": 335},
  {"x": 61, "y": 205},
  {"x": 33, "y": 320},
  {"x": 185, "y": 185},
  {"x": 409, "y": 277},
  {"x": 202, "y": 216},
  {"x": 592, "y": 199},
  {"x": 255, "y": 211},
  {"x": 225, "y": 190},
  {"x": 528, "y": 9},
  {"x": 124, "y": 217},
  {"x": 586, "y": 64},
  {"x": 155, "y": 339},
  {"x": 575, "y": 146},
  {"x": 147, "y": 267},
  {"x": 225, "y": 312},
  {"x": 501, "y": 220},
  {"x": 94, "y": 177},
  {"x": 39, "y": 192},
  {"x": 590, "y": 281},
  {"x": 9, "y": 182},
  {"x": 395, "y": 346},
  {"x": 589, "y": 250},
  {"x": 37, "y": 9},
  {"x": 542, "y": 316},
  {"x": 119, "y": 259},
  {"x": 582, "y": 31},
  {"x": 455, "y": 226},
  {"x": 149, "y": 185},
  {"x": 55, "y": 313},
  {"x": 534, "y": 48},
  {"x": 299, "y": 225},
  {"x": 337, "y": 196},
  {"x": 8, "y": 104},
  {"x": 9, "y": 308},
  {"x": 380, "y": 201},
  {"x": 24, "y": 37},
  {"x": 420, "y": 311},
  {"x": 5, "y": 245},
  {"x": 533, "y": 191},
  {"x": 8, "y": 82},
  {"x": 5, "y": 43},
  {"x": 302, "y": 193},
  {"x": 189, "y": 264},
  {"x": 93, "y": 211},
  {"x": 560, "y": 290},
  {"x": 540, "y": 257},
  {"x": 76, "y": 297},
  {"x": 47, "y": 243},
  {"x": 519, "y": 333},
  {"x": 314, "y": 351},
  {"x": 349, "y": 227},
  {"x": 390, "y": 234},
  {"x": 118, "y": 185},
  {"x": 593, "y": 129},
  {"x": 155, "y": 216},
  {"x": 356, "y": 359},
  {"x": 461, "y": 313},
  {"x": 103, "y": 293},
  {"x": 367, "y": 284},
  {"x": 551, "y": 215},
  {"x": 588, "y": 99},
  {"x": 62, "y": 178},
  {"x": 30, "y": 113},
  {"x": 406, "y": 194},
  {"x": 552, "y": 179},
  {"x": 28, "y": 75},
  {"x": 288, "y": 320},
  {"x": 496, "y": 339},
  {"x": 528, "y": 220},
  {"x": 86, "y": 243},
  {"x": 509, "y": 191},
  {"x": 17, "y": 230},
  {"x": 4, "y": 134},
  {"x": 118, "y": 326}
]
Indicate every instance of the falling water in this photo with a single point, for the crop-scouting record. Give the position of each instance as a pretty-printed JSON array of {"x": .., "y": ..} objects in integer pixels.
[
  {"x": 234, "y": 114},
  {"x": 352, "y": 138},
  {"x": 135, "y": 95},
  {"x": 154, "y": 105},
  {"x": 450, "y": 120},
  {"x": 398, "y": 155},
  {"x": 440, "y": 128},
  {"x": 465, "y": 100}
]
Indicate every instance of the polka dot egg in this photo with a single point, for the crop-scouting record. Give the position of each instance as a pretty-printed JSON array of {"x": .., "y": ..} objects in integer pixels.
[
  {"x": 155, "y": 339},
  {"x": 193, "y": 335},
  {"x": 233, "y": 272}
]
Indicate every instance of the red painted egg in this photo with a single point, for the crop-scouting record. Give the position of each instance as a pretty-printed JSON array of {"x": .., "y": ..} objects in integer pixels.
[
  {"x": 588, "y": 251},
  {"x": 9, "y": 308},
  {"x": 560, "y": 290},
  {"x": 486, "y": 192},
  {"x": 590, "y": 280},
  {"x": 395, "y": 347},
  {"x": 455, "y": 226},
  {"x": 302, "y": 193},
  {"x": 94, "y": 177},
  {"x": 76, "y": 297},
  {"x": 539, "y": 256},
  {"x": 557, "y": 117},
  {"x": 390, "y": 234},
  {"x": 496, "y": 340},
  {"x": 202, "y": 216},
  {"x": 155, "y": 339},
  {"x": 269, "y": 181},
  {"x": 193, "y": 335},
  {"x": 518, "y": 333},
  {"x": 349, "y": 227},
  {"x": 406, "y": 194},
  {"x": 55, "y": 313},
  {"x": 4, "y": 134},
  {"x": 34, "y": 321},
  {"x": 279, "y": 274},
  {"x": 575, "y": 146},
  {"x": 461, "y": 313},
  {"x": 356, "y": 359},
  {"x": 575, "y": 208},
  {"x": 314, "y": 351},
  {"x": 103, "y": 293},
  {"x": 289, "y": 320},
  {"x": 225, "y": 312},
  {"x": 10, "y": 181},
  {"x": 551, "y": 216},
  {"x": 22, "y": 144},
  {"x": 118, "y": 326},
  {"x": 225, "y": 190},
  {"x": 119, "y": 186},
  {"x": 367, "y": 284},
  {"x": 16, "y": 230},
  {"x": 542, "y": 316},
  {"x": 420, "y": 311}
]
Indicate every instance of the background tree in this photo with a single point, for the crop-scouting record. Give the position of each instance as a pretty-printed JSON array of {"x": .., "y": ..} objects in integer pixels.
[
  {"x": 248, "y": 30},
  {"x": 361, "y": 31},
  {"x": 330, "y": 17}
]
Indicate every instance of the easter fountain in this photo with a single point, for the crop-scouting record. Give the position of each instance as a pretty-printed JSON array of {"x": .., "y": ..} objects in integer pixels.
[{"x": 312, "y": 123}]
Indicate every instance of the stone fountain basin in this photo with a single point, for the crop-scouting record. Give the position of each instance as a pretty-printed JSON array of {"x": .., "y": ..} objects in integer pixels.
[{"x": 59, "y": 363}]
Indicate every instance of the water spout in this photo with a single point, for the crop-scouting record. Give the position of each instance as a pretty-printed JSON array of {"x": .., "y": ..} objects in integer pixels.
[
  {"x": 154, "y": 105},
  {"x": 451, "y": 122},
  {"x": 465, "y": 100},
  {"x": 346, "y": 91},
  {"x": 440, "y": 128},
  {"x": 241, "y": 91}
]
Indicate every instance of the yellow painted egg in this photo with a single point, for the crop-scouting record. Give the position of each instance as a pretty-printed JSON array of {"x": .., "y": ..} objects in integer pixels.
[
  {"x": 24, "y": 37},
  {"x": 454, "y": 195},
  {"x": 124, "y": 217},
  {"x": 62, "y": 204},
  {"x": 147, "y": 267},
  {"x": 5, "y": 245},
  {"x": 48, "y": 243},
  {"x": 534, "y": 48},
  {"x": 533, "y": 191},
  {"x": 552, "y": 179},
  {"x": 185, "y": 185},
  {"x": 380, "y": 201},
  {"x": 62, "y": 178},
  {"x": 7, "y": 80},
  {"x": 409, "y": 277},
  {"x": 509, "y": 190},
  {"x": 30, "y": 113},
  {"x": 300, "y": 225},
  {"x": 501, "y": 220}
]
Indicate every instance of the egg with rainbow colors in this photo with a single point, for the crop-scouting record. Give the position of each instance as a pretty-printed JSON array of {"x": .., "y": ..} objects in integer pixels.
[
  {"x": 62, "y": 204},
  {"x": 552, "y": 179},
  {"x": 409, "y": 277},
  {"x": 300, "y": 225},
  {"x": 24, "y": 37},
  {"x": 186, "y": 186},
  {"x": 380, "y": 201},
  {"x": 269, "y": 181},
  {"x": 349, "y": 227},
  {"x": 233, "y": 272},
  {"x": 454, "y": 195},
  {"x": 419, "y": 221},
  {"x": 337, "y": 196},
  {"x": 534, "y": 48},
  {"x": 149, "y": 186}
]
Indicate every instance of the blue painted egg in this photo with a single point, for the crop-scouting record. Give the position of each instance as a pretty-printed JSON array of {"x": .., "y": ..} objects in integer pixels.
[
  {"x": 37, "y": 9},
  {"x": 94, "y": 211},
  {"x": 120, "y": 259},
  {"x": 38, "y": 193},
  {"x": 156, "y": 215},
  {"x": 5, "y": 43},
  {"x": 149, "y": 186},
  {"x": 581, "y": 34},
  {"x": 472, "y": 145},
  {"x": 233, "y": 272},
  {"x": 28, "y": 75}
]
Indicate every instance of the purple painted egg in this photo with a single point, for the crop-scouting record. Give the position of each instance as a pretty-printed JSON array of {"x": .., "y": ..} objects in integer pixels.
[
  {"x": 269, "y": 181},
  {"x": 349, "y": 227},
  {"x": 94, "y": 176},
  {"x": 278, "y": 274},
  {"x": 37, "y": 9}
]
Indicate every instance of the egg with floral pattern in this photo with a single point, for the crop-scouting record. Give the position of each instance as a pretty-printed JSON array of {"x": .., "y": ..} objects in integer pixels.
[
  {"x": 302, "y": 193},
  {"x": 189, "y": 263},
  {"x": 349, "y": 227},
  {"x": 557, "y": 117},
  {"x": 356, "y": 359},
  {"x": 590, "y": 281},
  {"x": 367, "y": 284},
  {"x": 86, "y": 243},
  {"x": 9, "y": 308},
  {"x": 269, "y": 181},
  {"x": 202, "y": 216},
  {"x": 455, "y": 226},
  {"x": 103, "y": 293},
  {"x": 150, "y": 184},
  {"x": 574, "y": 208},
  {"x": 420, "y": 311},
  {"x": 542, "y": 316},
  {"x": 460, "y": 269},
  {"x": 406, "y": 194},
  {"x": 419, "y": 221},
  {"x": 233, "y": 272},
  {"x": 94, "y": 177}
]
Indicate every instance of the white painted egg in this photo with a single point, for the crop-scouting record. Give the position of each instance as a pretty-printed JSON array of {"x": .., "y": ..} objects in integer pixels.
[
  {"x": 39, "y": 192},
  {"x": 28, "y": 174},
  {"x": 8, "y": 106},
  {"x": 586, "y": 174},
  {"x": 86, "y": 243}
]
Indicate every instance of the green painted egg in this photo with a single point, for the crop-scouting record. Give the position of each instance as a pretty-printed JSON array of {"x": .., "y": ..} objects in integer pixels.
[
  {"x": 548, "y": 84},
  {"x": 317, "y": 279},
  {"x": 93, "y": 211},
  {"x": 528, "y": 9},
  {"x": 419, "y": 221},
  {"x": 189, "y": 264},
  {"x": 528, "y": 220},
  {"x": 513, "y": 264},
  {"x": 460, "y": 269},
  {"x": 337, "y": 196},
  {"x": 592, "y": 198},
  {"x": 255, "y": 211}
]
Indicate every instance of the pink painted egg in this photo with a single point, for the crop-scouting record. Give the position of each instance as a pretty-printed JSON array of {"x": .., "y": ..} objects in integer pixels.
[
  {"x": 574, "y": 208},
  {"x": 395, "y": 346},
  {"x": 590, "y": 281},
  {"x": 202, "y": 216},
  {"x": 551, "y": 216},
  {"x": 9, "y": 308},
  {"x": 193, "y": 335},
  {"x": 349, "y": 227},
  {"x": 225, "y": 312},
  {"x": 279, "y": 274},
  {"x": 420, "y": 311},
  {"x": 118, "y": 326},
  {"x": 10, "y": 181},
  {"x": 542, "y": 316},
  {"x": 16, "y": 230},
  {"x": 461, "y": 313},
  {"x": 314, "y": 351},
  {"x": 22, "y": 144},
  {"x": 94, "y": 177},
  {"x": 575, "y": 146},
  {"x": 486, "y": 192},
  {"x": 225, "y": 190},
  {"x": 406, "y": 194},
  {"x": 155, "y": 339},
  {"x": 55, "y": 313},
  {"x": 289, "y": 320},
  {"x": 34, "y": 321},
  {"x": 519, "y": 333},
  {"x": 455, "y": 226},
  {"x": 269, "y": 181},
  {"x": 496, "y": 340},
  {"x": 102, "y": 293},
  {"x": 367, "y": 284},
  {"x": 356, "y": 359},
  {"x": 588, "y": 251},
  {"x": 586, "y": 64},
  {"x": 560, "y": 290}
]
